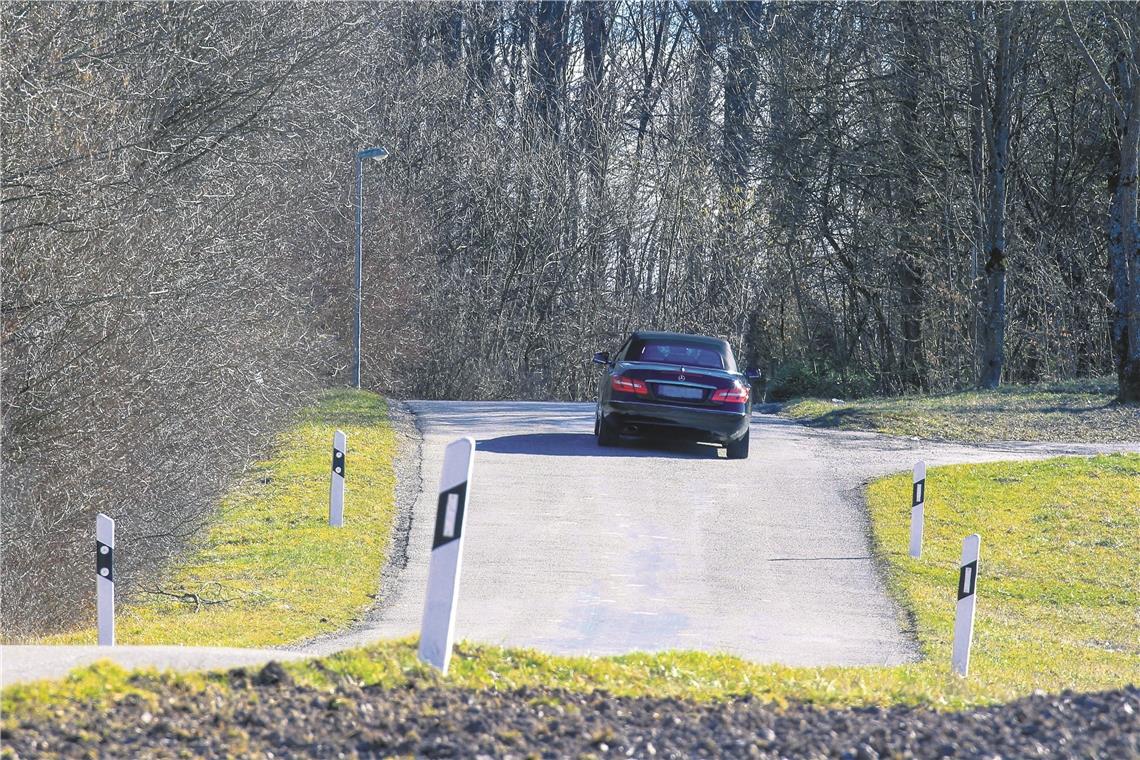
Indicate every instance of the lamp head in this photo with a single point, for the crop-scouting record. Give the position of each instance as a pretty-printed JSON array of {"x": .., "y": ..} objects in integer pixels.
[{"x": 377, "y": 153}]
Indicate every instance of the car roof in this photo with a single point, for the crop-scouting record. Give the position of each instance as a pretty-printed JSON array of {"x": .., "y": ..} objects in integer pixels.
[{"x": 658, "y": 335}]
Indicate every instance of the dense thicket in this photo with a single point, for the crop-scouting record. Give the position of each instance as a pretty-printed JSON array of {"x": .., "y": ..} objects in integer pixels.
[
  {"x": 174, "y": 218},
  {"x": 862, "y": 197},
  {"x": 865, "y": 197}
]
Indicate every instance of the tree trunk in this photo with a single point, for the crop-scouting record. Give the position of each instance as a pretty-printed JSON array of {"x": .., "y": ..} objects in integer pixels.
[
  {"x": 979, "y": 118},
  {"x": 1123, "y": 236},
  {"x": 741, "y": 75},
  {"x": 993, "y": 325},
  {"x": 483, "y": 23},
  {"x": 594, "y": 37},
  {"x": 913, "y": 369},
  {"x": 740, "y": 80},
  {"x": 1127, "y": 258},
  {"x": 707, "y": 37},
  {"x": 451, "y": 33},
  {"x": 595, "y": 23},
  {"x": 551, "y": 55}
]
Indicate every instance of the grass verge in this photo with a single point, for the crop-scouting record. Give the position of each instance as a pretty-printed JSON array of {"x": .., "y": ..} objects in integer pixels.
[
  {"x": 1058, "y": 602},
  {"x": 269, "y": 569},
  {"x": 1057, "y": 610},
  {"x": 1077, "y": 412}
]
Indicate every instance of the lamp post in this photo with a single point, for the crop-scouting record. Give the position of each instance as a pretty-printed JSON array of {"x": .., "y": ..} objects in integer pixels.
[{"x": 379, "y": 154}]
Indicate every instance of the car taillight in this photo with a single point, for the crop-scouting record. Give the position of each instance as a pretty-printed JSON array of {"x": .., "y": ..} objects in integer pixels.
[
  {"x": 628, "y": 385},
  {"x": 734, "y": 395}
]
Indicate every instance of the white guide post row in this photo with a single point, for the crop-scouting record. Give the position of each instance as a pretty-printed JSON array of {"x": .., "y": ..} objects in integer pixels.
[
  {"x": 105, "y": 579},
  {"x": 336, "y": 483},
  {"x": 967, "y": 599},
  {"x": 917, "y": 508},
  {"x": 437, "y": 632}
]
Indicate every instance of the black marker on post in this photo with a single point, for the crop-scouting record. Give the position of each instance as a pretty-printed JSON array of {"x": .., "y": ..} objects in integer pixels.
[
  {"x": 105, "y": 579},
  {"x": 437, "y": 632},
  {"x": 336, "y": 484},
  {"x": 967, "y": 599},
  {"x": 917, "y": 508}
]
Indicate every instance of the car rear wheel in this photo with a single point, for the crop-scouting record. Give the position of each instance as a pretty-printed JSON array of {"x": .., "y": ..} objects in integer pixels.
[
  {"x": 739, "y": 449},
  {"x": 607, "y": 436}
]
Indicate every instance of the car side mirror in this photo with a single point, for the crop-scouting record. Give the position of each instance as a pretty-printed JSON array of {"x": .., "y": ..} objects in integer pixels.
[
  {"x": 602, "y": 357},
  {"x": 752, "y": 374}
]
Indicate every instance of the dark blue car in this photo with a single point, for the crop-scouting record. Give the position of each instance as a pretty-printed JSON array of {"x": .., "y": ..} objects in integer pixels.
[{"x": 676, "y": 386}]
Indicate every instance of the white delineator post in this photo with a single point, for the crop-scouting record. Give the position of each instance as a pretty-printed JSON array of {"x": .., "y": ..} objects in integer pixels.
[
  {"x": 105, "y": 579},
  {"x": 437, "y": 632},
  {"x": 967, "y": 598},
  {"x": 917, "y": 508},
  {"x": 336, "y": 484}
]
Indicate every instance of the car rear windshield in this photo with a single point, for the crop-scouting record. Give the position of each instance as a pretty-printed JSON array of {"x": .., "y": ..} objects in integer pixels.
[{"x": 675, "y": 352}]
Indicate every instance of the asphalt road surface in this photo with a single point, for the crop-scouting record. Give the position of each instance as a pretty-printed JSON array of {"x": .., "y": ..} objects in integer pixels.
[
  {"x": 575, "y": 549},
  {"x": 580, "y": 550}
]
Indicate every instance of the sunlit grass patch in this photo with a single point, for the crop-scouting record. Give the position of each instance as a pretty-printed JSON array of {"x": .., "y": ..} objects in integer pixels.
[
  {"x": 98, "y": 684},
  {"x": 1080, "y": 412},
  {"x": 269, "y": 569},
  {"x": 700, "y": 676},
  {"x": 1058, "y": 599}
]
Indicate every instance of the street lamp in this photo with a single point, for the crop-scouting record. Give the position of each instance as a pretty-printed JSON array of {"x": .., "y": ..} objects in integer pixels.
[{"x": 379, "y": 154}]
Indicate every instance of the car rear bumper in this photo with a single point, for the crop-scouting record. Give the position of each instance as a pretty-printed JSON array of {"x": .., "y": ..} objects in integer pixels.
[{"x": 648, "y": 418}]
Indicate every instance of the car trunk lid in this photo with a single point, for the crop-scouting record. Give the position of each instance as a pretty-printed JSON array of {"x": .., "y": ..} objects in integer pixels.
[{"x": 678, "y": 384}]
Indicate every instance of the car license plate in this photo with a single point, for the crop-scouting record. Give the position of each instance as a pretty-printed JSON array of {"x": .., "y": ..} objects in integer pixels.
[{"x": 679, "y": 392}]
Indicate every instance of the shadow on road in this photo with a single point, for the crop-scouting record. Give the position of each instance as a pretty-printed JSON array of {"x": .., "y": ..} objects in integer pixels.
[{"x": 585, "y": 445}]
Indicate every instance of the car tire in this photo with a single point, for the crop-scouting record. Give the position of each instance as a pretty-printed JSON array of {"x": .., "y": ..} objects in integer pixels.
[
  {"x": 607, "y": 436},
  {"x": 739, "y": 449}
]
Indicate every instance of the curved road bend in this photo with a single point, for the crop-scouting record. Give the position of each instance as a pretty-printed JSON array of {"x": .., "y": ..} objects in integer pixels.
[{"x": 575, "y": 549}]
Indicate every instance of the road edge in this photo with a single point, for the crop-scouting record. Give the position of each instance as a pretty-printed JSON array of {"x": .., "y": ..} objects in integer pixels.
[{"x": 406, "y": 466}]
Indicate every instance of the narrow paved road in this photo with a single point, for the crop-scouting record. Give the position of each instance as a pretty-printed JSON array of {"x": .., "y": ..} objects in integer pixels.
[{"x": 575, "y": 549}]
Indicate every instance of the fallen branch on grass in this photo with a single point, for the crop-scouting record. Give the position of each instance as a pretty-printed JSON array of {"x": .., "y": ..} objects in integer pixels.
[{"x": 189, "y": 597}]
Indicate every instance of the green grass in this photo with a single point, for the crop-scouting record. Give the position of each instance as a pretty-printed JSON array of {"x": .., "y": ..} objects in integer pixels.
[
  {"x": 269, "y": 569},
  {"x": 1058, "y": 608},
  {"x": 1058, "y": 599},
  {"x": 1079, "y": 412},
  {"x": 97, "y": 685}
]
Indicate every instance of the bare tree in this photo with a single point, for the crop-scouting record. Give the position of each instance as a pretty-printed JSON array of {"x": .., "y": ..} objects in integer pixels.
[
  {"x": 1005, "y": 66},
  {"x": 1123, "y": 96}
]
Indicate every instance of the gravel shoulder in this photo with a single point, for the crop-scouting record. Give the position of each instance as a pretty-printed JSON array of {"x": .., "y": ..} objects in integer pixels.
[{"x": 264, "y": 713}]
